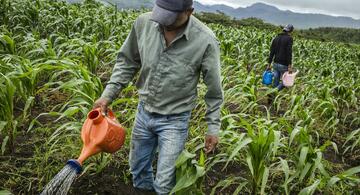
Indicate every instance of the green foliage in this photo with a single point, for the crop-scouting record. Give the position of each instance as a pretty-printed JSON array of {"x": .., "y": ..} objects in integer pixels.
[
  {"x": 221, "y": 18},
  {"x": 56, "y": 57},
  {"x": 189, "y": 173},
  {"x": 345, "y": 35}
]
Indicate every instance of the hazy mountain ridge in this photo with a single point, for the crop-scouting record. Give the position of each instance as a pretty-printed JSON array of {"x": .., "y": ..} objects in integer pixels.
[{"x": 263, "y": 11}]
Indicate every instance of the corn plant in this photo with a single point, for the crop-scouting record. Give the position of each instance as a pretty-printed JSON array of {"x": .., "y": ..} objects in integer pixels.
[
  {"x": 353, "y": 137},
  {"x": 308, "y": 161},
  {"x": 265, "y": 142},
  {"x": 8, "y": 44},
  {"x": 190, "y": 172},
  {"x": 348, "y": 177},
  {"x": 8, "y": 122}
]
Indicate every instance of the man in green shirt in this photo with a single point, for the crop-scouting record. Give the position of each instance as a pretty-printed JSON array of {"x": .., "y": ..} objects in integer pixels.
[{"x": 170, "y": 49}]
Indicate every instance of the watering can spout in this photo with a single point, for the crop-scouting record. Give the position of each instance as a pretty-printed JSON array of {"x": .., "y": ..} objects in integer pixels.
[
  {"x": 75, "y": 165},
  {"x": 100, "y": 133},
  {"x": 86, "y": 152}
]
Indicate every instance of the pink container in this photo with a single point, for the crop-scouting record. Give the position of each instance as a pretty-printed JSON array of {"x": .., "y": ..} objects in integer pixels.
[{"x": 288, "y": 79}]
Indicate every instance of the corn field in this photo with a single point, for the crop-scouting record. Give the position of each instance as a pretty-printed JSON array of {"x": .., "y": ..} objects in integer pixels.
[{"x": 55, "y": 59}]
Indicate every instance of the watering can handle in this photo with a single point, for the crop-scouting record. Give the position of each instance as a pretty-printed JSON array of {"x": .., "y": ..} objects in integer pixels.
[{"x": 110, "y": 114}]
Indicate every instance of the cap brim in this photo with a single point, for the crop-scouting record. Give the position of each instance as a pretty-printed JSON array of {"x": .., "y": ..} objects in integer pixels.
[{"x": 163, "y": 16}]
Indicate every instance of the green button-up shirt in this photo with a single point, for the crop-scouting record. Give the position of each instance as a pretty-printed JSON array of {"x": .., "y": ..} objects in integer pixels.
[{"x": 168, "y": 78}]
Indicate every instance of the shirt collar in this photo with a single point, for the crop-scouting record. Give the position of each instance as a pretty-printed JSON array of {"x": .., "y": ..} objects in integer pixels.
[
  {"x": 186, "y": 31},
  {"x": 187, "y": 28}
]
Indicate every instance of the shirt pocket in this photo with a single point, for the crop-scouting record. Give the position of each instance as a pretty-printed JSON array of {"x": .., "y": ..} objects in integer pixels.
[{"x": 181, "y": 73}]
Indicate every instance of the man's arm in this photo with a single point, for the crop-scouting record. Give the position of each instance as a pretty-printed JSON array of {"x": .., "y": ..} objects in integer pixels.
[
  {"x": 210, "y": 69},
  {"x": 289, "y": 49},
  {"x": 127, "y": 64},
  {"x": 272, "y": 52}
]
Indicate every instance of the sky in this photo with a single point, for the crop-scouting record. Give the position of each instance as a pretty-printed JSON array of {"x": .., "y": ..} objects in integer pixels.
[{"x": 349, "y": 8}]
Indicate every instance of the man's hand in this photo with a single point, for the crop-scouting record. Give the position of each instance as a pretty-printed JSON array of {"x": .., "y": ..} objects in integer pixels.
[
  {"x": 268, "y": 67},
  {"x": 290, "y": 69},
  {"x": 103, "y": 104},
  {"x": 210, "y": 143}
]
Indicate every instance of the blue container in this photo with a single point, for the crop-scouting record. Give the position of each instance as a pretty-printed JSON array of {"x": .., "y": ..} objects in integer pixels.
[{"x": 267, "y": 77}]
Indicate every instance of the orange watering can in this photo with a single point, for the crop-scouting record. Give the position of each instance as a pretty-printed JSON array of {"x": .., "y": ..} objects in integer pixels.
[{"x": 99, "y": 133}]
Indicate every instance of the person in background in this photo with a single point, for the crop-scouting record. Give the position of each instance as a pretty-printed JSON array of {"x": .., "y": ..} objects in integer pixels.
[
  {"x": 281, "y": 54},
  {"x": 170, "y": 49}
]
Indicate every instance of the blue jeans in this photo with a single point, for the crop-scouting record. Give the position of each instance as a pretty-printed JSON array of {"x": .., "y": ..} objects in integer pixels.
[
  {"x": 279, "y": 70},
  {"x": 152, "y": 133}
]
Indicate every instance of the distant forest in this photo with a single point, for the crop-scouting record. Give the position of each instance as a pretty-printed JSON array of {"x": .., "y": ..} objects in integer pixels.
[{"x": 345, "y": 35}]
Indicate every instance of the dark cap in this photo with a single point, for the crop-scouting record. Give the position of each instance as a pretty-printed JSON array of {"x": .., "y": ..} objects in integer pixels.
[
  {"x": 165, "y": 12},
  {"x": 288, "y": 28}
]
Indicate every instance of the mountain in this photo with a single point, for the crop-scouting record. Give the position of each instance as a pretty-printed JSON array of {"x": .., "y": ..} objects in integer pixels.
[
  {"x": 274, "y": 15},
  {"x": 263, "y": 11}
]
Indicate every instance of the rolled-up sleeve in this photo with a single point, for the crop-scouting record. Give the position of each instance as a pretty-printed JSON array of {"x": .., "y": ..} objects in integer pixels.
[
  {"x": 127, "y": 64},
  {"x": 214, "y": 97}
]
